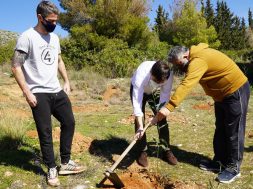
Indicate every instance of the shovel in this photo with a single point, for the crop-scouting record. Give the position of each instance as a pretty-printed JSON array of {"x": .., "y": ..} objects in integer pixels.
[{"x": 112, "y": 176}]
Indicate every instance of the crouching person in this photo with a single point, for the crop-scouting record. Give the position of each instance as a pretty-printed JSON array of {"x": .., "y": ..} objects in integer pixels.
[{"x": 151, "y": 83}]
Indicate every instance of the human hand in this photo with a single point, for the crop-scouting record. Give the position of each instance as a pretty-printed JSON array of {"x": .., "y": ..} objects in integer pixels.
[
  {"x": 154, "y": 120},
  {"x": 66, "y": 87},
  {"x": 163, "y": 112},
  {"x": 31, "y": 99},
  {"x": 139, "y": 134}
]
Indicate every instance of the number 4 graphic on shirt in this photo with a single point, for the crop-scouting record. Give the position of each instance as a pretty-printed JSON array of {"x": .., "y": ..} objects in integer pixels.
[{"x": 47, "y": 56}]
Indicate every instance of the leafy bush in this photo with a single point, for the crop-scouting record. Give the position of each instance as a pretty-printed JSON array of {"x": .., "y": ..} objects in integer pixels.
[
  {"x": 239, "y": 55},
  {"x": 110, "y": 57},
  {"x": 7, "y": 36},
  {"x": 248, "y": 56},
  {"x": 6, "y": 52}
]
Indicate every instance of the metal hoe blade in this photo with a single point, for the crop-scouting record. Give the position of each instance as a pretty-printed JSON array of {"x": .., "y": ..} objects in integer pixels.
[{"x": 113, "y": 177}]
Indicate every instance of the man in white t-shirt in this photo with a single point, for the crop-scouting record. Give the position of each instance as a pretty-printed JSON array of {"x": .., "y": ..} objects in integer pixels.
[
  {"x": 36, "y": 62},
  {"x": 152, "y": 83}
]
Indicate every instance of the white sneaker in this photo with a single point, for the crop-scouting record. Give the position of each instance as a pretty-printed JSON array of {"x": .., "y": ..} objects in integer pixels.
[
  {"x": 52, "y": 177},
  {"x": 71, "y": 168}
]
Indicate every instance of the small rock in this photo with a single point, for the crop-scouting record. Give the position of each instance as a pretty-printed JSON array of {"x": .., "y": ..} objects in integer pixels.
[
  {"x": 17, "y": 184},
  {"x": 181, "y": 110},
  {"x": 8, "y": 174},
  {"x": 80, "y": 187}
]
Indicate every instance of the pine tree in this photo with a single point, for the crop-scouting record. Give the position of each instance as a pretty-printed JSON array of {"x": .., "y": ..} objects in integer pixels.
[
  {"x": 223, "y": 24},
  {"x": 202, "y": 7},
  {"x": 237, "y": 35},
  {"x": 161, "y": 18},
  {"x": 243, "y": 34},
  {"x": 250, "y": 19},
  {"x": 209, "y": 13},
  {"x": 163, "y": 26}
]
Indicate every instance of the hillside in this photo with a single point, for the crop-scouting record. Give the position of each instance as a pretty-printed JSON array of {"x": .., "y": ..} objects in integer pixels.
[
  {"x": 104, "y": 128},
  {"x": 6, "y": 36}
]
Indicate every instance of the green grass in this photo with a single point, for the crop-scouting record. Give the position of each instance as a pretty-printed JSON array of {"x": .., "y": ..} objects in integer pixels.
[{"x": 191, "y": 134}]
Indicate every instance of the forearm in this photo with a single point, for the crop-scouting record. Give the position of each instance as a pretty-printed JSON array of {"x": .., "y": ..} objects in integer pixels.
[
  {"x": 17, "y": 62},
  {"x": 195, "y": 72},
  {"x": 19, "y": 76},
  {"x": 62, "y": 70},
  {"x": 139, "y": 120}
]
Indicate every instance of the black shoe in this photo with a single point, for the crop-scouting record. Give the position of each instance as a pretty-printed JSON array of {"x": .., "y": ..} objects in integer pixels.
[
  {"x": 228, "y": 175},
  {"x": 212, "y": 166}
]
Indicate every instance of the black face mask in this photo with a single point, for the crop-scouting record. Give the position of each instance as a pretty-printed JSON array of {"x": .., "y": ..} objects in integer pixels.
[{"x": 48, "y": 26}]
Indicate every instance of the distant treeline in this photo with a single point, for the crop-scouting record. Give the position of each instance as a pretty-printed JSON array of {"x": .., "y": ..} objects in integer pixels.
[{"x": 113, "y": 36}]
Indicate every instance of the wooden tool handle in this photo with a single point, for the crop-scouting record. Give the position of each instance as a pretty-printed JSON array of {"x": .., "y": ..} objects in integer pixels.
[{"x": 126, "y": 151}]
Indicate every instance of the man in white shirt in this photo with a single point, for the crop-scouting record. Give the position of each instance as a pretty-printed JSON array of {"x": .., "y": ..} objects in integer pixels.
[
  {"x": 36, "y": 62},
  {"x": 152, "y": 83}
]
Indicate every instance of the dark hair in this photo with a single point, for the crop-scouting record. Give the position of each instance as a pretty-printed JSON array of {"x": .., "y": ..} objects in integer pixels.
[
  {"x": 160, "y": 70},
  {"x": 45, "y": 8}
]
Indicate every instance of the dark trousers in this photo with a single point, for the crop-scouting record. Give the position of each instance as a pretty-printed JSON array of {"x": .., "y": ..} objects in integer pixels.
[
  {"x": 58, "y": 105},
  {"x": 162, "y": 126},
  {"x": 230, "y": 124}
]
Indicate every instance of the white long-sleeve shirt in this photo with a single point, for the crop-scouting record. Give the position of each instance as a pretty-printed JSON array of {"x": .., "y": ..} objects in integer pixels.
[{"x": 142, "y": 83}]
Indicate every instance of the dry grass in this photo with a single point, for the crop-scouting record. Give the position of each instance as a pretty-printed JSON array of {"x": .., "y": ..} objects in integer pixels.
[{"x": 191, "y": 134}]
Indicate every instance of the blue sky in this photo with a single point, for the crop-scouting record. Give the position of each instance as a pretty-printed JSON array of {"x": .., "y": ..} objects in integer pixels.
[{"x": 18, "y": 15}]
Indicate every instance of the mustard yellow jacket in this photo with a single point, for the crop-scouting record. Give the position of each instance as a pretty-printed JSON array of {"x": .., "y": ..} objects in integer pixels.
[{"x": 217, "y": 74}]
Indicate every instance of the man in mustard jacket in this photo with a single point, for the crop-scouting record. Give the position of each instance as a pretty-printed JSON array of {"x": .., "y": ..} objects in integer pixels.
[{"x": 221, "y": 79}]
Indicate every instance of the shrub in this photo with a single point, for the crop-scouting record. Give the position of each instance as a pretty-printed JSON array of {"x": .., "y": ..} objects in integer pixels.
[
  {"x": 110, "y": 57},
  {"x": 238, "y": 55},
  {"x": 6, "y": 52}
]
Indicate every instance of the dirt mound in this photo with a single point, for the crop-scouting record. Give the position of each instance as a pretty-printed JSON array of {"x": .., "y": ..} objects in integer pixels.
[
  {"x": 90, "y": 108},
  {"x": 79, "y": 144},
  {"x": 110, "y": 91},
  {"x": 11, "y": 93},
  {"x": 182, "y": 185},
  {"x": 250, "y": 134},
  {"x": 134, "y": 180},
  {"x": 127, "y": 121},
  {"x": 207, "y": 106},
  {"x": 178, "y": 118},
  {"x": 197, "y": 94},
  {"x": 142, "y": 179}
]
